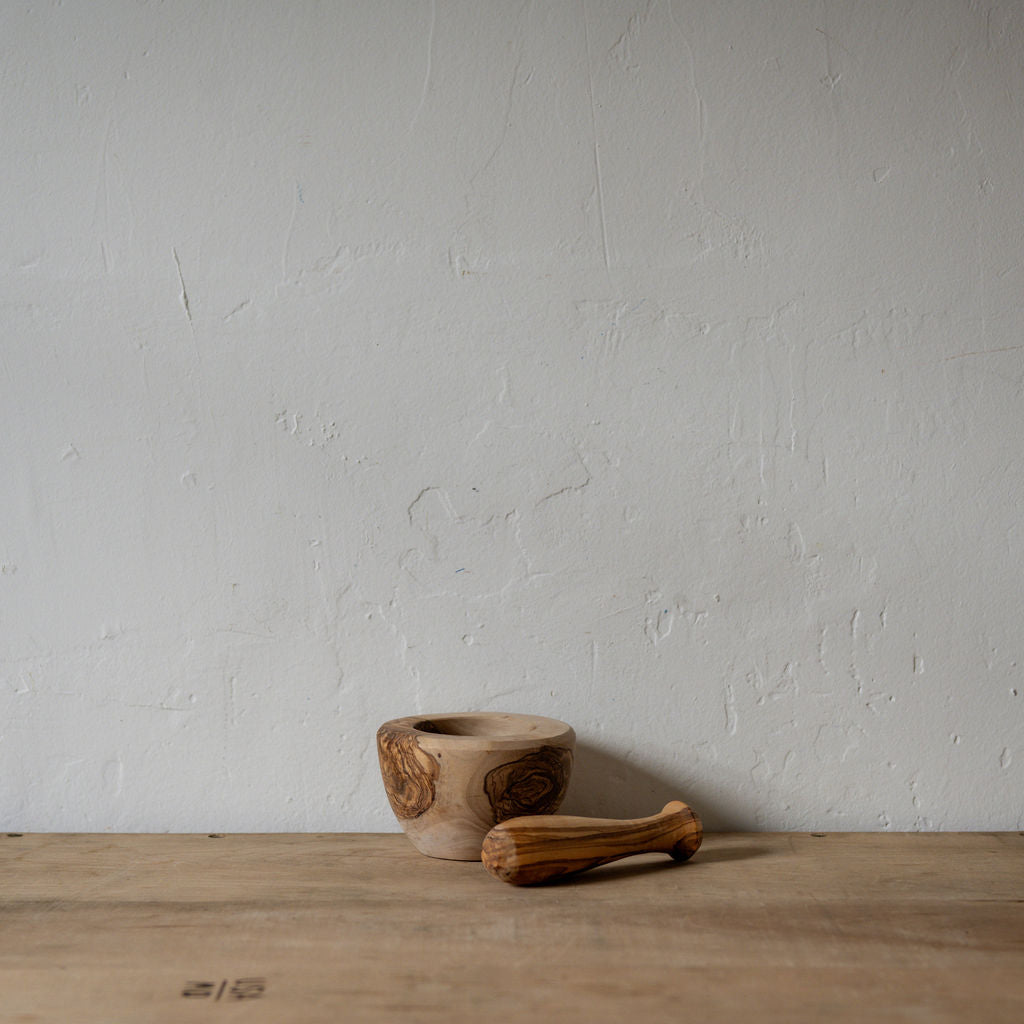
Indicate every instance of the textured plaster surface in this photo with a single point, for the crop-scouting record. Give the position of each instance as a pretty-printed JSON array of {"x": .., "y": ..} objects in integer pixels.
[{"x": 657, "y": 367}]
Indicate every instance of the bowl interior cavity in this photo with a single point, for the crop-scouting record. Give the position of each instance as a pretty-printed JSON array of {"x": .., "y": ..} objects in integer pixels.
[{"x": 485, "y": 726}]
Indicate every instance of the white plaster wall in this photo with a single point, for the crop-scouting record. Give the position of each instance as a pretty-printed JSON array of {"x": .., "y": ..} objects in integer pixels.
[{"x": 659, "y": 367}]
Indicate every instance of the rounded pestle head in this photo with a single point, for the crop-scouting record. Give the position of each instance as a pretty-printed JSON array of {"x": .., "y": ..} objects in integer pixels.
[{"x": 693, "y": 834}]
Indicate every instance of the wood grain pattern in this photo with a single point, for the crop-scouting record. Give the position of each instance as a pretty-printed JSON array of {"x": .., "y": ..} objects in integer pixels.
[
  {"x": 533, "y": 784},
  {"x": 526, "y": 851},
  {"x": 787, "y": 928},
  {"x": 409, "y": 773}
]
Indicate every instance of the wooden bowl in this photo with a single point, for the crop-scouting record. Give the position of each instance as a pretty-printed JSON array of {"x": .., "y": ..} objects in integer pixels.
[{"x": 451, "y": 778}]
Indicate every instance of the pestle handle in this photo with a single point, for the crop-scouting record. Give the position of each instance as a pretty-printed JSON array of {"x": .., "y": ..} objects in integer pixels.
[{"x": 535, "y": 848}]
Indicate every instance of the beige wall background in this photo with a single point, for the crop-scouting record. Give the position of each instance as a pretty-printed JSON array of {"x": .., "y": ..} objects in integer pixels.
[{"x": 654, "y": 366}]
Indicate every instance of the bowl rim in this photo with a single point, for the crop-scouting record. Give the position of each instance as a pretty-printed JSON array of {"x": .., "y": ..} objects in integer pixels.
[{"x": 537, "y": 731}]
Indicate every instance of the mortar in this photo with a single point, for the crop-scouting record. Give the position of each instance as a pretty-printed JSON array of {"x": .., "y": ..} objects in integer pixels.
[{"x": 451, "y": 778}]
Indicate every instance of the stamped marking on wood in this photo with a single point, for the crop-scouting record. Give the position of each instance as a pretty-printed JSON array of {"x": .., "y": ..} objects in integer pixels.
[{"x": 240, "y": 988}]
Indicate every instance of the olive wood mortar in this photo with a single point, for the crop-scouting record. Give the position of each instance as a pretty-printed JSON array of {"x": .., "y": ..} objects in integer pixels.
[
  {"x": 525, "y": 851},
  {"x": 450, "y": 778}
]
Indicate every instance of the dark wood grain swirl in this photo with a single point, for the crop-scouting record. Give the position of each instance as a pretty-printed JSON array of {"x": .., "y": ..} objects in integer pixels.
[
  {"x": 409, "y": 772},
  {"x": 533, "y": 784}
]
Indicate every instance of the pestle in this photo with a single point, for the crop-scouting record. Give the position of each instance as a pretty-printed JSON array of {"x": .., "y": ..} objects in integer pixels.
[{"x": 536, "y": 848}]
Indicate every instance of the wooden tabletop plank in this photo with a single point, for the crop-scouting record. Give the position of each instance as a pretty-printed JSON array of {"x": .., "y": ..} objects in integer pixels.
[{"x": 310, "y": 928}]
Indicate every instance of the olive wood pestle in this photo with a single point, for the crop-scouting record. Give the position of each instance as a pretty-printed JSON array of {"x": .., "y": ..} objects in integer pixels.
[{"x": 535, "y": 848}]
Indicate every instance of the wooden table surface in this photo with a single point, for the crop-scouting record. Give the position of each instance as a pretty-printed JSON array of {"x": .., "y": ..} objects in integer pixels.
[{"x": 296, "y": 928}]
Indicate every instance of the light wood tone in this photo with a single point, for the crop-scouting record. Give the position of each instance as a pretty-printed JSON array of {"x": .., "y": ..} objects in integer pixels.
[
  {"x": 452, "y": 777},
  {"x": 525, "y": 851},
  {"x": 102, "y": 929}
]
